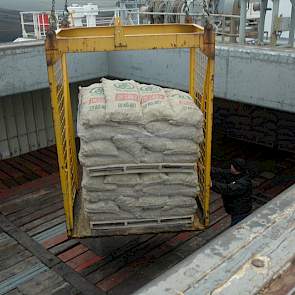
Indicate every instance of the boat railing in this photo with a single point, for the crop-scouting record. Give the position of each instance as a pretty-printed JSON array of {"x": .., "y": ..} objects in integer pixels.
[
  {"x": 230, "y": 29},
  {"x": 243, "y": 28},
  {"x": 35, "y": 24}
]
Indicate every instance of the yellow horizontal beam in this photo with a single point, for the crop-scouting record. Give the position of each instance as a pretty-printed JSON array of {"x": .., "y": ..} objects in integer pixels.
[
  {"x": 132, "y": 43},
  {"x": 115, "y": 38},
  {"x": 137, "y": 30}
]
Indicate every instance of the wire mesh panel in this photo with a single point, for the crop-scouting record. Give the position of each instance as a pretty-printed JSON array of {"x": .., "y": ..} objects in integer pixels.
[
  {"x": 64, "y": 133},
  {"x": 203, "y": 99}
]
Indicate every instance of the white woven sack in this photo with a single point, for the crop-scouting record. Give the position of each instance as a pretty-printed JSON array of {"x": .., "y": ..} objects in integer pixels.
[
  {"x": 170, "y": 190},
  {"x": 122, "y": 101},
  {"x": 94, "y": 161},
  {"x": 165, "y": 129},
  {"x": 95, "y": 183},
  {"x": 155, "y": 104},
  {"x": 185, "y": 110},
  {"x": 102, "y": 207},
  {"x": 124, "y": 179},
  {"x": 103, "y": 132},
  {"x": 92, "y": 106},
  {"x": 186, "y": 179},
  {"x": 98, "y": 148}
]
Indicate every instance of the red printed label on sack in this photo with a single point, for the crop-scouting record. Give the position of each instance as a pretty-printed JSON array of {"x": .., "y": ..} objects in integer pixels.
[
  {"x": 94, "y": 100},
  {"x": 149, "y": 97},
  {"x": 127, "y": 97}
]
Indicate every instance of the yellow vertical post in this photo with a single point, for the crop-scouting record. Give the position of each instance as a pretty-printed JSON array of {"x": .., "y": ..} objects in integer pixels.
[
  {"x": 209, "y": 44},
  {"x": 68, "y": 135},
  {"x": 192, "y": 73}
]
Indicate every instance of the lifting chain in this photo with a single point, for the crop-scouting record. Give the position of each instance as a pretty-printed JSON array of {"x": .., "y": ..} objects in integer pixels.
[
  {"x": 205, "y": 7},
  {"x": 65, "y": 23},
  {"x": 52, "y": 18},
  {"x": 186, "y": 8}
]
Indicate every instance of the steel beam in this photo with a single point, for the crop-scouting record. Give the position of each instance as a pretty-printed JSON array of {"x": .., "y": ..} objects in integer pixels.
[
  {"x": 275, "y": 14},
  {"x": 263, "y": 7},
  {"x": 292, "y": 26},
  {"x": 243, "y": 14}
]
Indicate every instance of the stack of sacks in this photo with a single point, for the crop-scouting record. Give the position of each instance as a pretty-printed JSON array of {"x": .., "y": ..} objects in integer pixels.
[
  {"x": 286, "y": 132},
  {"x": 124, "y": 122}
]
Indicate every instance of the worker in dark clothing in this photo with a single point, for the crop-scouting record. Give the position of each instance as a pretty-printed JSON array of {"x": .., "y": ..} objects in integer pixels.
[{"x": 235, "y": 187}]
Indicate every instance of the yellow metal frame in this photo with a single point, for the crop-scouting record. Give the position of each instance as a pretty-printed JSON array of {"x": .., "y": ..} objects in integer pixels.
[{"x": 119, "y": 38}]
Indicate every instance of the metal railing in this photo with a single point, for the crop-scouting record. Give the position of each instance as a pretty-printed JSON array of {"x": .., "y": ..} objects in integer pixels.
[
  {"x": 229, "y": 28},
  {"x": 35, "y": 24}
]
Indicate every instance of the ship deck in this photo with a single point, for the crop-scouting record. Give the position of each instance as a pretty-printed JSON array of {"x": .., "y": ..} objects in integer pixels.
[{"x": 37, "y": 257}]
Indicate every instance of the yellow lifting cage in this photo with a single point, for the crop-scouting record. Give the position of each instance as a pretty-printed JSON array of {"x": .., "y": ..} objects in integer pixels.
[{"x": 200, "y": 41}]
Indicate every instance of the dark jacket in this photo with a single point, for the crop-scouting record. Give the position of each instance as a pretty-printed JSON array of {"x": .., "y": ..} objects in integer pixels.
[{"x": 236, "y": 190}]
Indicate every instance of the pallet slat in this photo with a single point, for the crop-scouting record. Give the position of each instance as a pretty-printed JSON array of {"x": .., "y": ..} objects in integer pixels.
[{"x": 141, "y": 168}]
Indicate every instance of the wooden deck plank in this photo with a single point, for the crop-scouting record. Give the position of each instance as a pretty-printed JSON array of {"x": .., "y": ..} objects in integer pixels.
[
  {"x": 12, "y": 255},
  {"x": 31, "y": 215},
  {"x": 43, "y": 165},
  {"x": 64, "y": 246},
  {"x": 7, "y": 180},
  {"x": 45, "y": 226},
  {"x": 14, "y": 292},
  {"x": 19, "y": 267},
  {"x": 53, "y": 241},
  {"x": 45, "y": 158},
  {"x": 113, "y": 265},
  {"x": 88, "y": 263},
  {"x": 82, "y": 258},
  {"x": 19, "y": 197},
  {"x": 28, "y": 243},
  {"x": 43, "y": 283},
  {"x": 15, "y": 174},
  {"x": 6, "y": 241},
  {"x": 111, "y": 248},
  {"x": 49, "y": 259},
  {"x": 37, "y": 222},
  {"x": 115, "y": 246},
  {"x": 76, "y": 280},
  {"x": 72, "y": 253},
  {"x": 152, "y": 256},
  {"x": 154, "y": 268},
  {"x": 26, "y": 202},
  {"x": 19, "y": 208},
  {"x": 48, "y": 183},
  {"x": 29, "y": 164},
  {"x": 3, "y": 186},
  {"x": 49, "y": 153},
  {"x": 16, "y": 163}
]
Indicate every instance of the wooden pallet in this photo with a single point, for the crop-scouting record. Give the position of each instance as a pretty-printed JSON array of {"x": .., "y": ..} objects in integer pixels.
[
  {"x": 143, "y": 223},
  {"x": 141, "y": 168}
]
